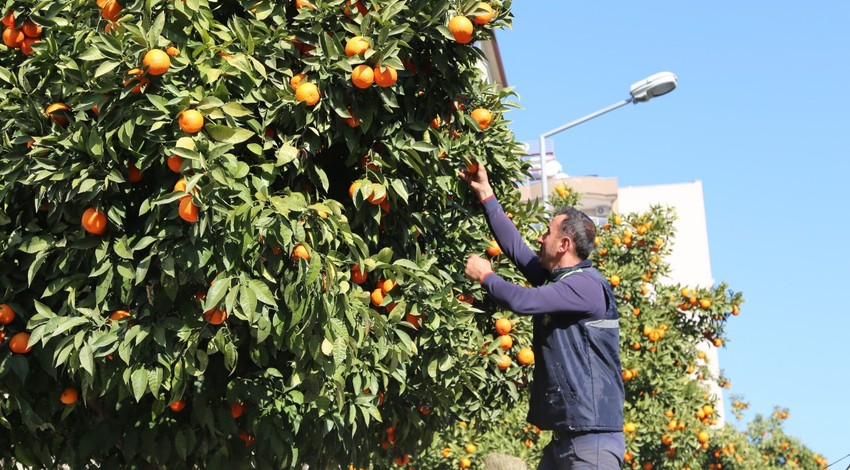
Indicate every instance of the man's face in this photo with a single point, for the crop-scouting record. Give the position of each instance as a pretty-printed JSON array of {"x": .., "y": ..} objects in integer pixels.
[{"x": 551, "y": 244}]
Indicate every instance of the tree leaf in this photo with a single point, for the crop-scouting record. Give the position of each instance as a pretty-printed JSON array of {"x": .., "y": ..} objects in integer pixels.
[{"x": 227, "y": 134}]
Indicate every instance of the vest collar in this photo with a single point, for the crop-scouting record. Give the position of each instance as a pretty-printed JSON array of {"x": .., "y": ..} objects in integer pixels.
[{"x": 558, "y": 273}]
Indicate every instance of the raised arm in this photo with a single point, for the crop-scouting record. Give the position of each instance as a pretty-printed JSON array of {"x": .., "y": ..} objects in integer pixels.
[{"x": 504, "y": 230}]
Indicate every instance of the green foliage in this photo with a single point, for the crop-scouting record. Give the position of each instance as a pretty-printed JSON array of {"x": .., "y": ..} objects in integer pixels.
[{"x": 321, "y": 371}]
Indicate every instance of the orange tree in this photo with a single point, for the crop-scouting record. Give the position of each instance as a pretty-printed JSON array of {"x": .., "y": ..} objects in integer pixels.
[
  {"x": 232, "y": 232},
  {"x": 671, "y": 418}
]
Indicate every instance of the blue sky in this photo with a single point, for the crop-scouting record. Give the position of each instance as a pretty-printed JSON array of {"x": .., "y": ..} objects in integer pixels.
[{"x": 762, "y": 118}]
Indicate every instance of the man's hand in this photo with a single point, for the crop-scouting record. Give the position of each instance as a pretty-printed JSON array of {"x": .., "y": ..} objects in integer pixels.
[
  {"x": 477, "y": 267},
  {"x": 478, "y": 181}
]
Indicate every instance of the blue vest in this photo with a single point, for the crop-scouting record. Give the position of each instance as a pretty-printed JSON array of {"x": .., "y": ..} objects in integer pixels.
[{"x": 577, "y": 383}]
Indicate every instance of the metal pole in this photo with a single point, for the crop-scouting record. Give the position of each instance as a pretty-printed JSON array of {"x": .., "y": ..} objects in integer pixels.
[{"x": 543, "y": 179}]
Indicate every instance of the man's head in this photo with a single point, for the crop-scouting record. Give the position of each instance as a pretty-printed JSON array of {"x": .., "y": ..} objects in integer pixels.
[{"x": 568, "y": 240}]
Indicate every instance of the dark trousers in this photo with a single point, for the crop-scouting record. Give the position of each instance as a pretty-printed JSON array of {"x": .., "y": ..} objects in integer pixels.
[{"x": 584, "y": 451}]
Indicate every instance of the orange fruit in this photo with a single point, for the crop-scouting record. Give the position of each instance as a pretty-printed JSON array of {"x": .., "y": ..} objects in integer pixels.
[
  {"x": 472, "y": 167},
  {"x": 7, "y": 314},
  {"x": 446, "y": 452},
  {"x": 134, "y": 175},
  {"x": 413, "y": 320},
  {"x": 387, "y": 285},
  {"x": 110, "y": 27},
  {"x": 702, "y": 437},
  {"x": 31, "y": 29},
  {"x": 18, "y": 343},
  {"x": 119, "y": 315},
  {"x": 377, "y": 297},
  {"x": 358, "y": 277},
  {"x": 215, "y": 316},
  {"x": 471, "y": 448},
  {"x": 94, "y": 222},
  {"x": 13, "y": 37},
  {"x": 300, "y": 252},
  {"x": 178, "y": 405},
  {"x": 504, "y": 362},
  {"x": 525, "y": 356},
  {"x": 187, "y": 210},
  {"x": 506, "y": 342},
  {"x": 356, "y": 45},
  {"x": 111, "y": 10},
  {"x": 614, "y": 280},
  {"x": 8, "y": 19},
  {"x": 377, "y": 200},
  {"x": 58, "y": 118},
  {"x": 296, "y": 79},
  {"x": 174, "y": 163},
  {"x": 385, "y": 76},
  {"x": 172, "y": 51},
  {"x": 494, "y": 249},
  {"x": 353, "y": 188},
  {"x": 304, "y": 3},
  {"x": 362, "y": 76},
  {"x": 503, "y": 326},
  {"x": 629, "y": 427},
  {"x": 483, "y": 117},
  {"x": 307, "y": 92},
  {"x": 486, "y": 16},
  {"x": 705, "y": 303},
  {"x": 180, "y": 185},
  {"x": 236, "y": 409},
  {"x": 191, "y": 121},
  {"x": 140, "y": 79},
  {"x": 461, "y": 29},
  {"x": 69, "y": 396},
  {"x": 157, "y": 61},
  {"x": 435, "y": 123},
  {"x": 26, "y": 46},
  {"x": 402, "y": 460},
  {"x": 465, "y": 463}
]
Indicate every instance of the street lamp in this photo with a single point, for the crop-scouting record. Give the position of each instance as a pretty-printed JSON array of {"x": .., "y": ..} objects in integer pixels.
[{"x": 644, "y": 90}]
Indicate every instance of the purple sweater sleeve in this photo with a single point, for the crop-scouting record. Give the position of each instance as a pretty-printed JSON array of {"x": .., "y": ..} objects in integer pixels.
[
  {"x": 512, "y": 243},
  {"x": 576, "y": 294}
]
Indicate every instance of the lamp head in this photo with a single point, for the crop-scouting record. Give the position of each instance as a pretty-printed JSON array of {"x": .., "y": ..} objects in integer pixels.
[{"x": 655, "y": 85}]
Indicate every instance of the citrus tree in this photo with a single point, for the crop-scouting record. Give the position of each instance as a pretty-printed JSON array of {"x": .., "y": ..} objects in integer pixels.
[
  {"x": 671, "y": 420},
  {"x": 232, "y": 232}
]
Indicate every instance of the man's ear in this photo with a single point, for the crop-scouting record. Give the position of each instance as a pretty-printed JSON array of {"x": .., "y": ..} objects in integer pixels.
[{"x": 564, "y": 245}]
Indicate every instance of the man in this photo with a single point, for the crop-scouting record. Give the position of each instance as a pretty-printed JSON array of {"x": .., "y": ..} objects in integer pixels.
[{"x": 577, "y": 390}]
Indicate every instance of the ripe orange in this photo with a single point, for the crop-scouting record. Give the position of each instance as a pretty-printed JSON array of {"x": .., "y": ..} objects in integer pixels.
[
  {"x": 435, "y": 123},
  {"x": 157, "y": 61},
  {"x": 140, "y": 79},
  {"x": 503, "y": 326},
  {"x": 465, "y": 463},
  {"x": 191, "y": 121},
  {"x": 300, "y": 252},
  {"x": 31, "y": 29},
  {"x": 486, "y": 16},
  {"x": 69, "y": 396},
  {"x": 413, "y": 320},
  {"x": 494, "y": 249},
  {"x": 58, "y": 118},
  {"x": 525, "y": 356},
  {"x": 377, "y": 297},
  {"x": 172, "y": 51},
  {"x": 187, "y": 210},
  {"x": 307, "y": 92},
  {"x": 236, "y": 409},
  {"x": 362, "y": 76},
  {"x": 353, "y": 188},
  {"x": 504, "y": 362},
  {"x": 402, "y": 460},
  {"x": 7, "y": 314},
  {"x": 178, "y": 405},
  {"x": 356, "y": 45},
  {"x": 215, "y": 316},
  {"x": 506, "y": 342},
  {"x": 296, "y": 79},
  {"x": 13, "y": 37},
  {"x": 446, "y": 452},
  {"x": 385, "y": 76},
  {"x": 614, "y": 280},
  {"x": 134, "y": 175},
  {"x": 705, "y": 303},
  {"x": 174, "y": 163},
  {"x": 111, "y": 10},
  {"x": 483, "y": 117},
  {"x": 93, "y": 221},
  {"x": 461, "y": 29},
  {"x": 358, "y": 277},
  {"x": 18, "y": 343},
  {"x": 471, "y": 448},
  {"x": 387, "y": 285},
  {"x": 26, "y": 46},
  {"x": 8, "y": 19},
  {"x": 304, "y": 3},
  {"x": 119, "y": 315},
  {"x": 702, "y": 437}
]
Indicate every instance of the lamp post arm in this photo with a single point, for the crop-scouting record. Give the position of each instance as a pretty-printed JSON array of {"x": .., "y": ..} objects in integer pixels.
[{"x": 544, "y": 181}]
